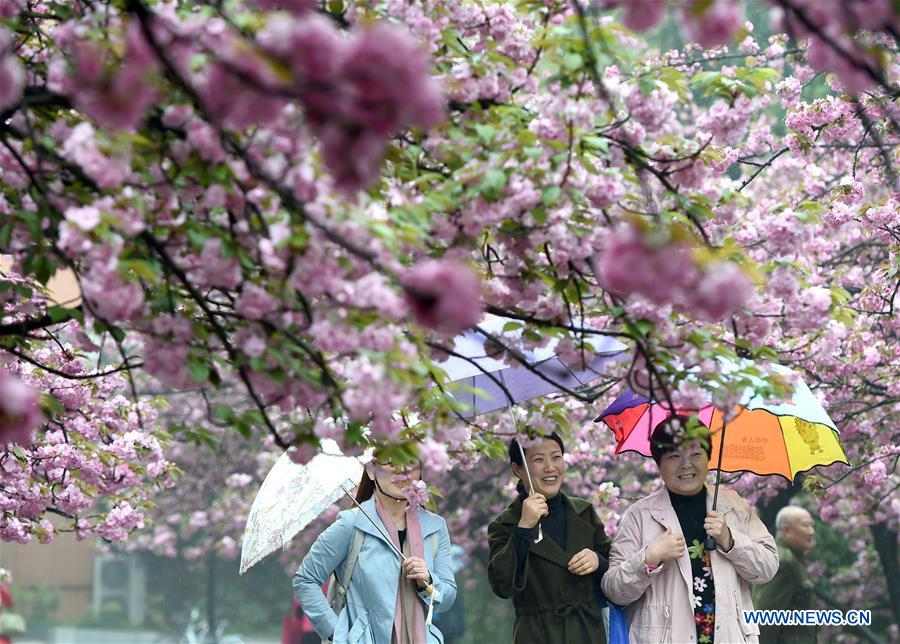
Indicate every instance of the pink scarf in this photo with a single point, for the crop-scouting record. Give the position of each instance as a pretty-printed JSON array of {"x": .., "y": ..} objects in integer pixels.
[{"x": 416, "y": 546}]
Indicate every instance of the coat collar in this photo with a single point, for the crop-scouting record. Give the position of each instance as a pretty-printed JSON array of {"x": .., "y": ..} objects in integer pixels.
[
  {"x": 796, "y": 552},
  {"x": 659, "y": 500},
  {"x": 430, "y": 522}
]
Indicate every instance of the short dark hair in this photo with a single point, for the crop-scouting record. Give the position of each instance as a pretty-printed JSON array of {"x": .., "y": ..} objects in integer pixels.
[
  {"x": 669, "y": 435},
  {"x": 515, "y": 454}
]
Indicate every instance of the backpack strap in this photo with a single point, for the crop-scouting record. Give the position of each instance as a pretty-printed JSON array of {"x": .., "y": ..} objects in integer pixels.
[
  {"x": 353, "y": 555},
  {"x": 337, "y": 591}
]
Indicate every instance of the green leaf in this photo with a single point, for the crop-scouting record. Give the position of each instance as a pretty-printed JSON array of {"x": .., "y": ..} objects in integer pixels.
[
  {"x": 59, "y": 313},
  {"x": 760, "y": 76},
  {"x": 590, "y": 167},
  {"x": 644, "y": 327},
  {"x": 550, "y": 195},
  {"x": 486, "y": 133},
  {"x": 140, "y": 268},
  {"x": 44, "y": 268},
  {"x": 6, "y": 235},
  {"x": 704, "y": 80},
  {"x": 116, "y": 333},
  {"x": 199, "y": 370},
  {"x": 572, "y": 61},
  {"x": 491, "y": 187},
  {"x": 595, "y": 143},
  {"x": 647, "y": 85},
  {"x": 51, "y": 405},
  {"x": 222, "y": 413},
  {"x": 243, "y": 427},
  {"x": 197, "y": 237}
]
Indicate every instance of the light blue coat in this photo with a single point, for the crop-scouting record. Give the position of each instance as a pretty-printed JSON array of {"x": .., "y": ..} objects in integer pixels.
[{"x": 368, "y": 613}]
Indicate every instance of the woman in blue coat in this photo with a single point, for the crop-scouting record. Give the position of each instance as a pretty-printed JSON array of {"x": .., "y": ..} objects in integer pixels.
[{"x": 385, "y": 602}]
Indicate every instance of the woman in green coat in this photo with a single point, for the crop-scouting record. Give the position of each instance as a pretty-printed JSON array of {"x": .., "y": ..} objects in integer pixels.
[{"x": 554, "y": 583}]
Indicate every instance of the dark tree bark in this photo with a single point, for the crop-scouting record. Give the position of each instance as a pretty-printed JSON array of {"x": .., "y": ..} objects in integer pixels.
[
  {"x": 769, "y": 510},
  {"x": 885, "y": 540}
]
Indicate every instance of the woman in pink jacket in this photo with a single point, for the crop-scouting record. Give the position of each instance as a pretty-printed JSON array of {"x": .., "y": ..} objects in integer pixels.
[{"x": 674, "y": 589}]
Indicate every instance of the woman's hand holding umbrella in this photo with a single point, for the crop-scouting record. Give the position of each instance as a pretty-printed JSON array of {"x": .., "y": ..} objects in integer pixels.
[
  {"x": 716, "y": 528},
  {"x": 534, "y": 508},
  {"x": 416, "y": 569}
]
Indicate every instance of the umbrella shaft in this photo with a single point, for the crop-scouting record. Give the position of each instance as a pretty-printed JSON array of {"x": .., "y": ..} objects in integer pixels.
[
  {"x": 376, "y": 526},
  {"x": 540, "y": 536},
  {"x": 719, "y": 465}
]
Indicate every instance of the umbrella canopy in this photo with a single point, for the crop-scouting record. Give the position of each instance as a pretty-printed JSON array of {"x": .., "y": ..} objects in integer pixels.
[
  {"x": 293, "y": 495},
  {"x": 521, "y": 382},
  {"x": 783, "y": 439}
]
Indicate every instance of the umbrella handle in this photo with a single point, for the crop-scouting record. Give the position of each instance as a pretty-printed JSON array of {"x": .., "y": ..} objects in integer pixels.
[
  {"x": 540, "y": 536},
  {"x": 709, "y": 544}
]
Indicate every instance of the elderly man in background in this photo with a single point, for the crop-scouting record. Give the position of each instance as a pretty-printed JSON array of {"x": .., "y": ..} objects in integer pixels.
[{"x": 791, "y": 588}]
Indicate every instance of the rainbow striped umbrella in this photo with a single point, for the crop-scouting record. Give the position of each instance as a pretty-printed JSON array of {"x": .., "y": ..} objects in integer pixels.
[{"x": 783, "y": 439}]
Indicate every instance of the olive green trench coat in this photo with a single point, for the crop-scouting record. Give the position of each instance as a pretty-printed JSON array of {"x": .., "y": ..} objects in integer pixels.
[
  {"x": 790, "y": 589},
  {"x": 552, "y": 605}
]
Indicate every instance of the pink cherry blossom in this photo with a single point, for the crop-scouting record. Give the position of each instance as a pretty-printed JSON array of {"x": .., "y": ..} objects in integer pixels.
[
  {"x": 294, "y": 6},
  {"x": 434, "y": 456},
  {"x": 416, "y": 493},
  {"x": 111, "y": 297},
  {"x": 640, "y": 15},
  {"x": 167, "y": 362},
  {"x": 711, "y": 23},
  {"x": 119, "y": 99},
  {"x": 443, "y": 295},
  {"x": 722, "y": 289},
  {"x": 852, "y": 75},
  {"x": 85, "y": 218},
  {"x": 876, "y": 473},
  {"x": 120, "y": 521},
  {"x": 628, "y": 265},
  {"x": 255, "y": 303},
  {"x": 302, "y": 454},
  {"x": 217, "y": 269},
  {"x": 20, "y": 413},
  {"x": 107, "y": 169},
  {"x": 12, "y": 75}
]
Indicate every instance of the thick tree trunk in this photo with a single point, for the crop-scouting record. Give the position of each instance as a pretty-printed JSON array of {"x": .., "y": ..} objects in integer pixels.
[
  {"x": 885, "y": 540},
  {"x": 211, "y": 636},
  {"x": 769, "y": 510},
  {"x": 864, "y": 632}
]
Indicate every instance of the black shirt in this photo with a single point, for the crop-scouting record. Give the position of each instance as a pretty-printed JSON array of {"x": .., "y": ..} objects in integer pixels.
[{"x": 691, "y": 513}]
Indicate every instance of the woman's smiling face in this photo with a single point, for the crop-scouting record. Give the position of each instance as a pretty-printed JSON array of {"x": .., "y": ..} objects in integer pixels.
[
  {"x": 547, "y": 467},
  {"x": 684, "y": 470}
]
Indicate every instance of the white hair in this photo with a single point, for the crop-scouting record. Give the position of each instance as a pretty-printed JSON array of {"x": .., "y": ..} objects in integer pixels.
[{"x": 788, "y": 515}]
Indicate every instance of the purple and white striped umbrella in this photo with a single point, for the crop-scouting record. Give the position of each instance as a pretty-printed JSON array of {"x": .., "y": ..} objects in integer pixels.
[{"x": 521, "y": 383}]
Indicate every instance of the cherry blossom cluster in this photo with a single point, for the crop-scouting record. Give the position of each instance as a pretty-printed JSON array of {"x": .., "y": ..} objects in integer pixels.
[{"x": 301, "y": 203}]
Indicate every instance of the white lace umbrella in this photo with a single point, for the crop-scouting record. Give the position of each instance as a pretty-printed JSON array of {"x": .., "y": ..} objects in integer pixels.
[{"x": 293, "y": 495}]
